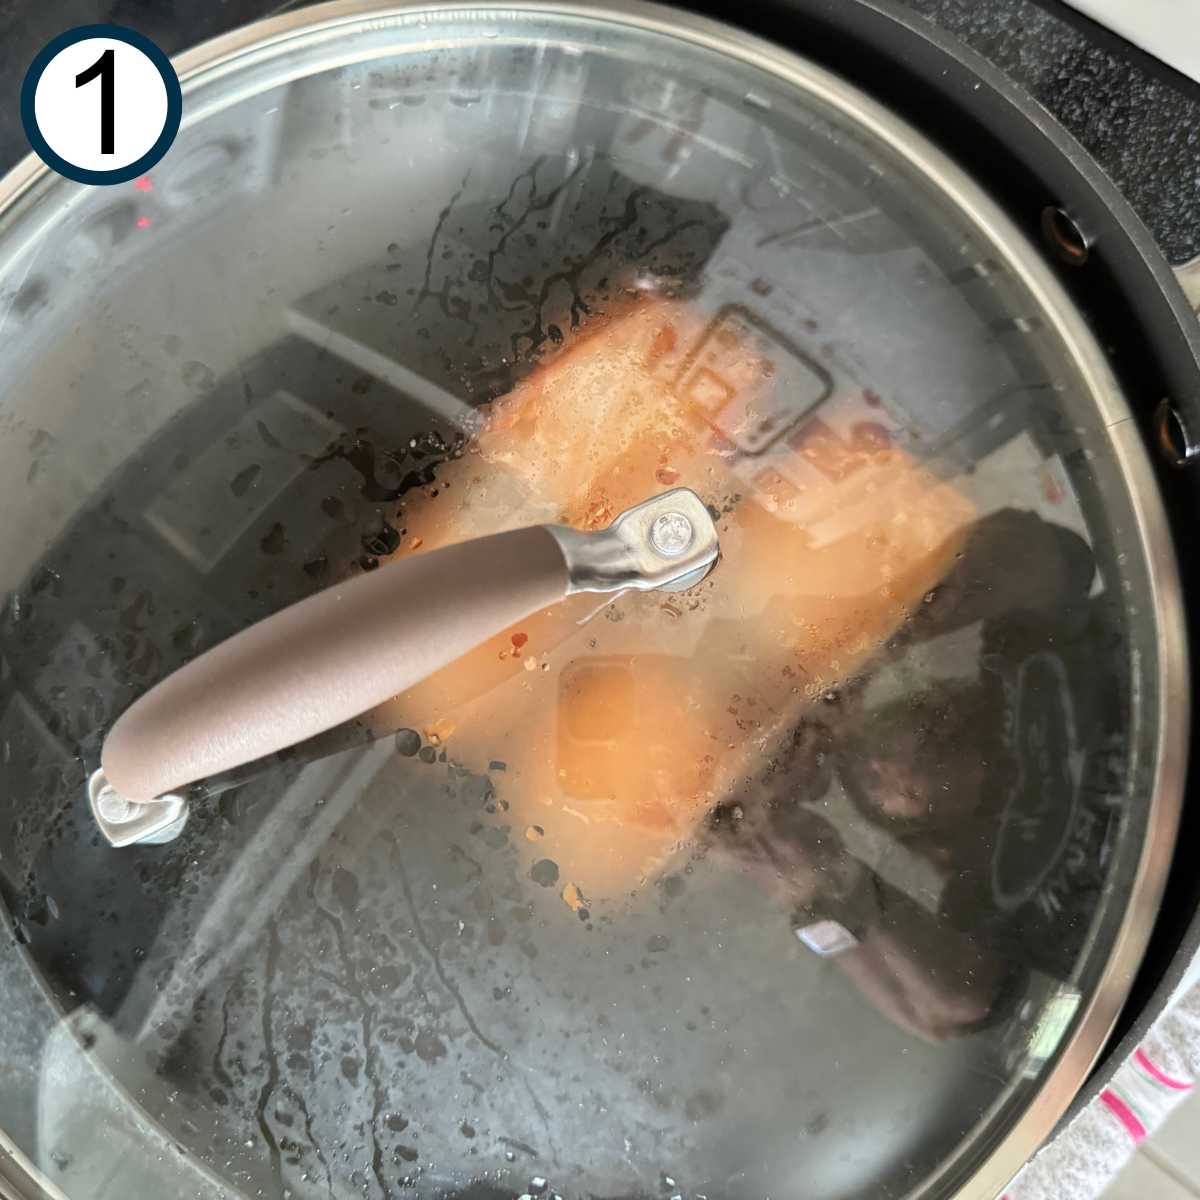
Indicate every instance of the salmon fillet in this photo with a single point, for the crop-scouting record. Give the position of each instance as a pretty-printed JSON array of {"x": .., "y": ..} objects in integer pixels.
[{"x": 623, "y": 724}]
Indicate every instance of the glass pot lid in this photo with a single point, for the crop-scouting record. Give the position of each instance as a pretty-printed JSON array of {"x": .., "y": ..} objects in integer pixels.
[{"x": 813, "y": 878}]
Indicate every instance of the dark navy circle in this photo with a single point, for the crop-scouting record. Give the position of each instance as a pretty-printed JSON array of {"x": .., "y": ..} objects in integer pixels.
[{"x": 81, "y": 33}]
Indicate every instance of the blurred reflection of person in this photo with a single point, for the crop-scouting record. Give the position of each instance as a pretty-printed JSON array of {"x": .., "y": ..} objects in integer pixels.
[{"x": 934, "y": 769}]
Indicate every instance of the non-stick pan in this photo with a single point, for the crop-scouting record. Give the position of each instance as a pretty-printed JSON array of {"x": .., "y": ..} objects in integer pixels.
[{"x": 828, "y": 875}]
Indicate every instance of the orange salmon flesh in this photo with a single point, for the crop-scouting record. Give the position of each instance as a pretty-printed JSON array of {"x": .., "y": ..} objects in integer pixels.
[{"x": 622, "y": 724}]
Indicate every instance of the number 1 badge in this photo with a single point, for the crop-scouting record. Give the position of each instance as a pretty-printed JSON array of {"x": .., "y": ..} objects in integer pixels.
[{"x": 101, "y": 104}]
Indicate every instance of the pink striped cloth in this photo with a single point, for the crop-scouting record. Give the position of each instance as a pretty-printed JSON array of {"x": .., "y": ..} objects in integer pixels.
[{"x": 1082, "y": 1160}]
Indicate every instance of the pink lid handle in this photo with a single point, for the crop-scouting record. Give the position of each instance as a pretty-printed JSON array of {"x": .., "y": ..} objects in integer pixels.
[{"x": 329, "y": 658}]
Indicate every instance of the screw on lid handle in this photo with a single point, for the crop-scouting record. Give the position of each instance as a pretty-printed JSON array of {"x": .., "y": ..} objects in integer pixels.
[{"x": 336, "y": 654}]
